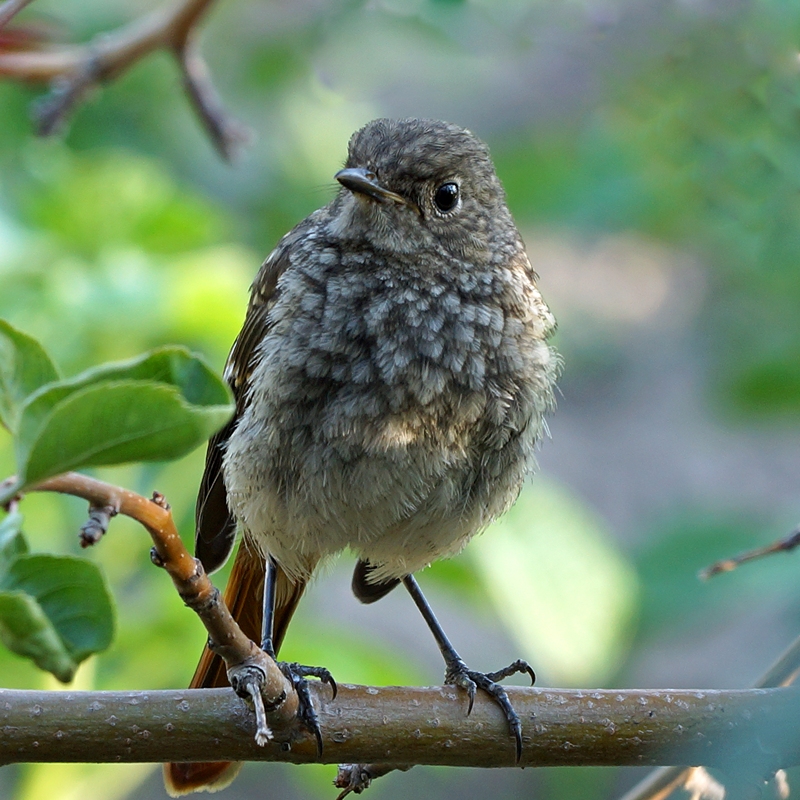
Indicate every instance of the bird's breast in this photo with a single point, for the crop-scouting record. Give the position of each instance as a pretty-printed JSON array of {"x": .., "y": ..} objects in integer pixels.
[
  {"x": 412, "y": 335},
  {"x": 388, "y": 402}
]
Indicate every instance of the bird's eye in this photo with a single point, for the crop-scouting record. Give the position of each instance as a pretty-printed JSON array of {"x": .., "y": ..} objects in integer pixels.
[{"x": 446, "y": 197}]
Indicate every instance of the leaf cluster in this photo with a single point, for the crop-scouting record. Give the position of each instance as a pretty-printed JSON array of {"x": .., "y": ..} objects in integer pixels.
[{"x": 56, "y": 610}]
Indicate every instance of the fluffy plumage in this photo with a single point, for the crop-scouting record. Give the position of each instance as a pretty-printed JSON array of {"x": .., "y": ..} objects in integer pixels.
[{"x": 392, "y": 378}]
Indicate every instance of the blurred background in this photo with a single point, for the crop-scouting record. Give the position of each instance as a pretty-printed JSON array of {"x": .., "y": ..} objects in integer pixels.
[{"x": 650, "y": 154}]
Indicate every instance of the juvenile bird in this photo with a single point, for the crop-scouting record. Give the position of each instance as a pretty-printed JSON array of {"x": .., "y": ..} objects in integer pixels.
[{"x": 391, "y": 381}]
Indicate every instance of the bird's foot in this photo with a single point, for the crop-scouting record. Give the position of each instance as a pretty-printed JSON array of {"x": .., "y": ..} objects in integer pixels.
[
  {"x": 458, "y": 674},
  {"x": 296, "y": 674}
]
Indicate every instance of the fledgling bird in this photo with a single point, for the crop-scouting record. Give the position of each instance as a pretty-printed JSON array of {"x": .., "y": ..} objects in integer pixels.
[{"x": 391, "y": 382}]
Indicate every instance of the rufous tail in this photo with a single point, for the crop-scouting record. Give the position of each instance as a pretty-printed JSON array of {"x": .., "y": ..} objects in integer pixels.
[{"x": 244, "y": 597}]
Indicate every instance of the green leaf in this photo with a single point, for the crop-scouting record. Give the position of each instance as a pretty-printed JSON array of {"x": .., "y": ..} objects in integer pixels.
[
  {"x": 558, "y": 582},
  {"x": 174, "y": 366},
  {"x": 115, "y": 423},
  {"x": 25, "y": 630},
  {"x": 12, "y": 542},
  {"x": 24, "y": 367},
  {"x": 55, "y": 610},
  {"x": 152, "y": 408}
]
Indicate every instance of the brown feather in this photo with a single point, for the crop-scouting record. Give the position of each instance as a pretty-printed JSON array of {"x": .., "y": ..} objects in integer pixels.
[
  {"x": 215, "y": 529},
  {"x": 216, "y": 532},
  {"x": 244, "y": 597}
]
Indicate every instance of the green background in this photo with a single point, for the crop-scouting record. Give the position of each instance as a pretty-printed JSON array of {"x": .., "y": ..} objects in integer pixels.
[{"x": 650, "y": 155}]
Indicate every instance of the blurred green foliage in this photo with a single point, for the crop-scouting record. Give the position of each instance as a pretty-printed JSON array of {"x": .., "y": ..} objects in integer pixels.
[
  {"x": 716, "y": 120},
  {"x": 551, "y": 554},
  {"x": 678, "y": 123}
]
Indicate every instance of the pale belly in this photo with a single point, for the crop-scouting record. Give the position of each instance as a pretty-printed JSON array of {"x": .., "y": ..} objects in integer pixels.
[{"x": 400, "y": 502}]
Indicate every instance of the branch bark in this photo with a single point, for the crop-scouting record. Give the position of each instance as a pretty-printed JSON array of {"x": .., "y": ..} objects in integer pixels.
[
  {"x": 661, "y": 783},
  {"x": 117, "y": 50},
  {"x": 391, "y": 726},
  {"x": 401, "y": 726}
]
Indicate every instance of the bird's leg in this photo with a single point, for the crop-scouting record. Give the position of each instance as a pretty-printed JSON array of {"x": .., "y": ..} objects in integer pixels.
[
  {"x": 458, "y": 674},
  {"x": 295, "y": 673},
  {"x": 268, "y": 616}
]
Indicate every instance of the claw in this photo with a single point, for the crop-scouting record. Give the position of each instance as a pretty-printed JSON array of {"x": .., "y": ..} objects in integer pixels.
[
  {"x": 518, "y": 666},
  {"x": 471, "y": 689},
  {"x": 297, "y": 674},
  {"x": 460, "y": 675},
  {"x": 323, "y": 674}
]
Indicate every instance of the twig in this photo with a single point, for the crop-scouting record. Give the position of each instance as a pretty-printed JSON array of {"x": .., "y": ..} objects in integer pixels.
[
  {"x": 783, "y": 545},
  {"x": 75, "y": 71},
  {"x": 247, "y": 663},
  {"x": 227, "y": 134},
  {"x": 117, "y": 50},
  {"x": 51, "y": 111},
  {"x": 247, "y": 683},
  {"x": 10, "y": 9},
  {"x": 93, "y": 530},
  {"x": 356, "y": 778}
]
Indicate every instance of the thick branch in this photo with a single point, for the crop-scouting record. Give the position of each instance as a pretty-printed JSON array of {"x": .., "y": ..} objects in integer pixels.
[
  {"x": 403, "y": 726},
  {"x": 662, "y": 782},
  {"x": 392, "y": 727}
]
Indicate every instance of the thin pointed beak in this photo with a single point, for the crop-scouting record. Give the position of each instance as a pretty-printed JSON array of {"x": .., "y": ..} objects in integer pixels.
[{"x": 362, "y": 181}]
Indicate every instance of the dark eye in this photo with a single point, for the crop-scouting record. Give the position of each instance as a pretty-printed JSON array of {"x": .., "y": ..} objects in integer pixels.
[{"x": 446, "y": 197}]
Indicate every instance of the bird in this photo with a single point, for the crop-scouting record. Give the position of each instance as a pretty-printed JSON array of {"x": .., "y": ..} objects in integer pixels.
[{"x": 392, "y": 379}]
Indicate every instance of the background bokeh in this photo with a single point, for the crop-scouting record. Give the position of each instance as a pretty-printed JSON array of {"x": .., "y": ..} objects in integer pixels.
[{"x": 650, "y": 151}]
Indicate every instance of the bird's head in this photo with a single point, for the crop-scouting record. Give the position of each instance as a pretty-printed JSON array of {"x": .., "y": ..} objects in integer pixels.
[{"x": 415, "y": 183}]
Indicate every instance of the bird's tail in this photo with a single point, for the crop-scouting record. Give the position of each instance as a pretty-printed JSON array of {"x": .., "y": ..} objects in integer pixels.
[{"x": 244, "y": 597}]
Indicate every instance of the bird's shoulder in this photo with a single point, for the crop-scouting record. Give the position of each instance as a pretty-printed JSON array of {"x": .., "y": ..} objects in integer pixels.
[{"x": 264, "y": 292}]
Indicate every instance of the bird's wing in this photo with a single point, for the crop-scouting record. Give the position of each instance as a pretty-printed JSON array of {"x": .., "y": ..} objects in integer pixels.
[
  {"x": 215, "y": 529},
  {"x": 366, "y": 590}
]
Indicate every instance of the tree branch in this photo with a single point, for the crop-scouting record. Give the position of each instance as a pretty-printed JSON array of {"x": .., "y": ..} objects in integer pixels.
[
  {"x": 249, "y": 667},
  {"x": 117, "y": 50},
  {"x": 390, "y": 727},
  {"x": 227, "y": 134},
  {"x": 660, "y": 783},
  {"x": 783, "y": 545},
  {"x": 75, "y": 71},
  {"x": 401, "y": 726}
]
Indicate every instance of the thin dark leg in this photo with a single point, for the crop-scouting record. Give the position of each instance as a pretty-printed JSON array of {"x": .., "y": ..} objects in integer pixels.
[
  {"x": 268, "y": 617},
  {"x": 448, "y": 651},
  {"x": 295, "y": 673},
  {"x": 458, "y": 674}
]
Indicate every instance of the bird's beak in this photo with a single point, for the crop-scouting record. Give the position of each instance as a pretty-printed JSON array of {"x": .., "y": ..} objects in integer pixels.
[{"x": 362, "y": 181}]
